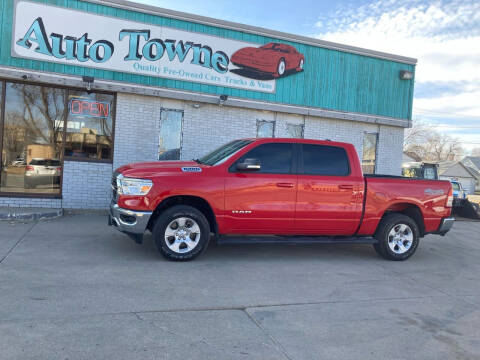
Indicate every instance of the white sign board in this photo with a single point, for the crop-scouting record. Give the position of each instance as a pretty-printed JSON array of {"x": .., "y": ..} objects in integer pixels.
[{"x": 66, "y": 36}]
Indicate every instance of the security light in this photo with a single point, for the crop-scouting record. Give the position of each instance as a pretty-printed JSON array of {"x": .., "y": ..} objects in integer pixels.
[
  {"x": 223, "y": 98},
  {"x": 406, "y": 75},
  {"x": 88, "y": 81}
]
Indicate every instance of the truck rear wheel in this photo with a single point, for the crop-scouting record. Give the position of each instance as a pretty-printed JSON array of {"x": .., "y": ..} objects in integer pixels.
[
  {"x": 181, "y": 233},
  {"x": 398, "y": 237}
]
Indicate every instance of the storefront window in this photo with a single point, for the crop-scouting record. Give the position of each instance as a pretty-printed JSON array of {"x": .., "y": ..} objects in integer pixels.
[
  {"x": 89, "y": 126},
  {"x": 369, "y": 153},
  {"x": 32, "y": 139},
  {"x": 35, "y": 139},
  {"x": 170, "y": 137},
  {"x": 265, "y": 129},
  {"x": 295, "y": 131}
]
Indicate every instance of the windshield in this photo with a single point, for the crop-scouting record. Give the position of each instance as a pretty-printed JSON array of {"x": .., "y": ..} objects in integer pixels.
[
  {"x": 268, "y": 46},
  {"x": 223, "y": 152}
]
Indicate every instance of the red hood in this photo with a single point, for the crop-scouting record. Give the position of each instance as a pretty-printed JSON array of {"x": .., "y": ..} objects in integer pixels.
[{"x": 153, "y": 168}]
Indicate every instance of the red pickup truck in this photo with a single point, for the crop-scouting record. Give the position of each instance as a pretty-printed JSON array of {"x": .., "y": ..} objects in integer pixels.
[{"x": 276, "y": 190}]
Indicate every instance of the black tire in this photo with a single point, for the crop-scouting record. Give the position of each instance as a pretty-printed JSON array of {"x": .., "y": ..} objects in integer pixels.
[
  {"x": 385, "y": 241},
  {"x": 176, "y": 212}
]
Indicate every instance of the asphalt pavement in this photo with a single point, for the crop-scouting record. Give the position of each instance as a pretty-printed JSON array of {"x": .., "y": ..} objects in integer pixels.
[{"x": 73, "y": 288}]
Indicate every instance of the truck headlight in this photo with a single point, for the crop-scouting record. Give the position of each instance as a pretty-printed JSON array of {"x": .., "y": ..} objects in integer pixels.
[{"x": 131, "y": 186}]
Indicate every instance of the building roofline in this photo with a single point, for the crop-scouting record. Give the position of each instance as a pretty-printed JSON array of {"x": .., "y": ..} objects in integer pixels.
[
  {"x": 154, "y": 10},
  {"x": 453, "y": 163},
  {"x": 471, "y": 171}
]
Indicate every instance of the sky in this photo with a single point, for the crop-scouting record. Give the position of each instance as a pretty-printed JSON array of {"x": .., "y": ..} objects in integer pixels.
[{"x": 443, "y": 35}]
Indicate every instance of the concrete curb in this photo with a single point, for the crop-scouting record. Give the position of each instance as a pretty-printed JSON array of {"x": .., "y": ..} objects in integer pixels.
[{"x": 29, "y": 214}]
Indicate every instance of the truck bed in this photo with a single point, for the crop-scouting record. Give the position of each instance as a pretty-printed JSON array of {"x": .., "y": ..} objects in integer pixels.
[{"x": 384, "y": 193}]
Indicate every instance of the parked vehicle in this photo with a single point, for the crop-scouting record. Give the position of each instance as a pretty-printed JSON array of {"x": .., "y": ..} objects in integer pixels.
[
  {"x": 276, "y": 190},
  {"x": 19, "y": 162},
  {"x": 420, "y": 170},
  {"x": 458, "y": 191},
  {"x": 42, "y": 172},
  {"x": 272, "y": 58}
]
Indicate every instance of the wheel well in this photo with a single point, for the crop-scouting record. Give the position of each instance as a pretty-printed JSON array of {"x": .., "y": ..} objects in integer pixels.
[
  {"x": 410, "y": 210},
  {"x": 194, "y": 201}
]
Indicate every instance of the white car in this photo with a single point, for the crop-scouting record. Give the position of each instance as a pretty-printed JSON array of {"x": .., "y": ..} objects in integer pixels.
[
  {"x": 19, "y": 162},
  {"x": 42, "y": 172}
]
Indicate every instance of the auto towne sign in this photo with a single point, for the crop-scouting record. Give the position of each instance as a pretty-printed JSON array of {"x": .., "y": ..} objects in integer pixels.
[{"x": 73, "y": 37}]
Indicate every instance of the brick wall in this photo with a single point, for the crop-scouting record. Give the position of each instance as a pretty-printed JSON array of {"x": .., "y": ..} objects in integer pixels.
[
  {"x": 28, "y": 202},
  {"x": 86, "y": 185},
  {"x": 390, "y": 150},
  {"x": 205, "y": 127},
  {"x": 136, "y": 129}
]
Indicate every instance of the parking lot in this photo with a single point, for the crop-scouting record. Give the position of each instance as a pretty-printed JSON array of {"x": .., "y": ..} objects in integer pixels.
[{"x": 73, "y": 288}]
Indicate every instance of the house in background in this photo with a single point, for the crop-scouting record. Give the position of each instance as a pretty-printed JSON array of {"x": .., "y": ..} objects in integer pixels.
[
  {"x": 473, "y": 164},
  {"x": 455, "y": 170}
]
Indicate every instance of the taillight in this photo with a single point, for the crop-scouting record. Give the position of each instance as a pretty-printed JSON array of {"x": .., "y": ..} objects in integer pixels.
[
  {"x": 59, "y": 168},
  {"x": 29, "y": 168},
  {"x": 450, "y": 198}
]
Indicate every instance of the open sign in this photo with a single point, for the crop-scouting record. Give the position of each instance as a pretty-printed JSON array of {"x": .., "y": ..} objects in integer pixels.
[{"x": 90, "y": 108}]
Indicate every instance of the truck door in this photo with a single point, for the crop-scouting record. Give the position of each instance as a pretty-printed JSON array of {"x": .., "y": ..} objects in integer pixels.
[
  {"x": 262, "y": 200},
  {"x": 329, "y": 199}
]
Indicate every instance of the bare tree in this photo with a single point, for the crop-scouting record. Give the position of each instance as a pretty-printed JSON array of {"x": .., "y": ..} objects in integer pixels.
[
  {"x": 44, "y": 111},
  {"x": 431, "y": 145},
  {"x": 416, "y": 134}
]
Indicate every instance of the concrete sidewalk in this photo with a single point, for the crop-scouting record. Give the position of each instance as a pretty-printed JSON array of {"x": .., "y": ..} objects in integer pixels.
[
  {"x": 28, "y": 214},
  {"x": 75, "y": 288}
]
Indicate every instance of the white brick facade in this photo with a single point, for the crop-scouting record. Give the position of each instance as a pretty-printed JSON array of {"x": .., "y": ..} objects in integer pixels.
[
  {"x": 205, "y": 127},
  {"x": 86, "y": 185}
]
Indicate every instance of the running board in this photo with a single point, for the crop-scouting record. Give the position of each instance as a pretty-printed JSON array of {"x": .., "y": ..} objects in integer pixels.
[{"x": 293, "y": 240}]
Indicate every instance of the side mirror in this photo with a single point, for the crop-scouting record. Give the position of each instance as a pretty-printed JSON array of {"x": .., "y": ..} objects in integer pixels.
[{"x": 249, "y": 165}]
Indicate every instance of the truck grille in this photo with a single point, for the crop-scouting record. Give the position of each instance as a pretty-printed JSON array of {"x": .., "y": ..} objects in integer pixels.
[{"x": 114, "y": 187}]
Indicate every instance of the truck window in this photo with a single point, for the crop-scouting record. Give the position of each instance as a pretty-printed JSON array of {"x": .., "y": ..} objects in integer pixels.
[
  {"x": 325, "y": 160},
  {"x": 275, "y": 158}
]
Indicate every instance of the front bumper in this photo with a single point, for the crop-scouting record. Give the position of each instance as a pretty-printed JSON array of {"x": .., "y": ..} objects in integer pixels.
[
  {"x": 445, "y": 226},
  {"x": 133, "y": 223}
]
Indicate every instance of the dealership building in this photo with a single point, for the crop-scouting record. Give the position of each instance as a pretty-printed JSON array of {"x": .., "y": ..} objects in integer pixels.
[{"x": 89, "y": 85}]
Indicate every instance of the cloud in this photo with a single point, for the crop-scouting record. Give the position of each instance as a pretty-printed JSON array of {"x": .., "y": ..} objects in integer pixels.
[{"x": 443, "y": 35}]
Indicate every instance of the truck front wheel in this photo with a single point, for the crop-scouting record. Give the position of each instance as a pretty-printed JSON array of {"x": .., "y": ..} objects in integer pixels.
[
  {"x": 181, "y": 233},
  {"x": 397, "y": 236}
]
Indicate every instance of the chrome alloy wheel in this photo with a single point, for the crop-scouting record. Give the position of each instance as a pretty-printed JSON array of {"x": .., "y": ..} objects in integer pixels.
[
  {"x": 400, "y": 238},
  {"x": 182, "y": 235}
]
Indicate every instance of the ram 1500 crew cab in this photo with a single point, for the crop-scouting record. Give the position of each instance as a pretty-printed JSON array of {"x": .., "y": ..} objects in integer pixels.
[{"x": 276, "y": 190}]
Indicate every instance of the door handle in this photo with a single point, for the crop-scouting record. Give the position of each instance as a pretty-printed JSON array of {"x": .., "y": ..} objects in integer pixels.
[
  {"x": 345, "y": 187},
  {"x": 286, "y": 185}
]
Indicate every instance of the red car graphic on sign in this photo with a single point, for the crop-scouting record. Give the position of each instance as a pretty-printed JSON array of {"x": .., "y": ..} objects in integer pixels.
[{"x": 274, "y": 59}]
